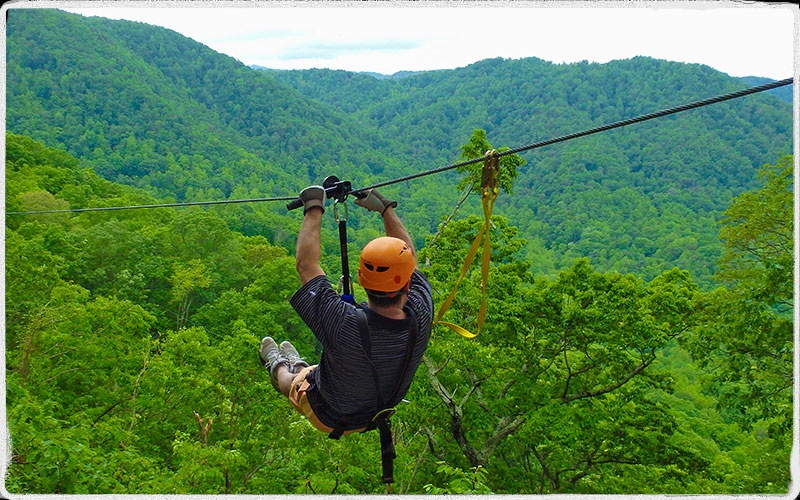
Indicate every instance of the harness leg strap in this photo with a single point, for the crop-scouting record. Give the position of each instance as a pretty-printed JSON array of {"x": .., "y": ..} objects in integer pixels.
[{"x": 387, "y": 450}]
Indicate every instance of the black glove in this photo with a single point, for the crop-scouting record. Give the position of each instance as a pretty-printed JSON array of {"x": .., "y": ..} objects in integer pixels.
[
  {"x": 313, "y": 196},
  {"x": 375, "y": 201}
]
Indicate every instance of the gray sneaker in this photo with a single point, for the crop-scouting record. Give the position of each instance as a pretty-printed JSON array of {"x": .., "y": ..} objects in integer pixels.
[
  {"x": 271, "y": 357},
  {"x": 296, "y": 363}
]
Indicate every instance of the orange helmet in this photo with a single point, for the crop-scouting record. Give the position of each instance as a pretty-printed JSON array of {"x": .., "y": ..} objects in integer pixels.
[{"x": 386, "y": 264}]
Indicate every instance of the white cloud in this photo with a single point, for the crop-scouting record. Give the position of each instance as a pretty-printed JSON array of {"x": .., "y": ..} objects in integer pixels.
[{"x": 736, "y": 38}]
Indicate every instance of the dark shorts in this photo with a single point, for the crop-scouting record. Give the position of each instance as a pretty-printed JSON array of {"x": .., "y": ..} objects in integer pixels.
[{"x": 299, "y": 399}]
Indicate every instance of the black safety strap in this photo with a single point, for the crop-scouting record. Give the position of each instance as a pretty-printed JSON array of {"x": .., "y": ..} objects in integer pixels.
[{"x": 381, "y": 419}]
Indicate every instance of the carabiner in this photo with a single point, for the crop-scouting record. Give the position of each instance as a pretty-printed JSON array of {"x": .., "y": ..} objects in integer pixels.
[{"x": 336, "y": 214}]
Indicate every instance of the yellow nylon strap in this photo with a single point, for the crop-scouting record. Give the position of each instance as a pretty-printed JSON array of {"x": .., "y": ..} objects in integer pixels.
[{"x": 489, "y": 192}]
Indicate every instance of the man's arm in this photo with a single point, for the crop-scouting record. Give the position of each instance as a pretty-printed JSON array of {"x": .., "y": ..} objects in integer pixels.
[
  {"x": 308, "y": 247},
  {"x": 393, "y": 226},
  {"x": 307, "y": 252}
]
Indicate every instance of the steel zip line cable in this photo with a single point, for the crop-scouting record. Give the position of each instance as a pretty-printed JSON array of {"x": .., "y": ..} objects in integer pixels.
[
  {"x": 601, "y": 128},
  {"x": 161, "y": 205}
]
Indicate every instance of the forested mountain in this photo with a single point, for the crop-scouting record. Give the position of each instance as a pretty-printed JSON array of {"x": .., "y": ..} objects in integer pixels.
[
  {"x": 148, "y": 107},
  {"x": 621, "y": 190},
  {"x": 639, "y": 327},
  {"x": 785, "y": 93}
]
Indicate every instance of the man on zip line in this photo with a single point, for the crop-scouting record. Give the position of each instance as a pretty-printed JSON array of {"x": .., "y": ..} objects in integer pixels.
[{"x": 354, "y": 382}]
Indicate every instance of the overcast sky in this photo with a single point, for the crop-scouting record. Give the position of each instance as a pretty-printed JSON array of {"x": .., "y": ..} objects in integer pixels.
[{"x": 737, "y": 38}]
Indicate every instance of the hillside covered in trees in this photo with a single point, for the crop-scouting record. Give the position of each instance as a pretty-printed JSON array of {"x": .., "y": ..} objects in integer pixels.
[{"x": 639, "y": 330}]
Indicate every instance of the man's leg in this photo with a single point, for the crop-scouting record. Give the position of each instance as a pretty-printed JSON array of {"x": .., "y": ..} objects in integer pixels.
[
  {"x": 284, "y": 378},
  {"x": 276, "y": 363}
]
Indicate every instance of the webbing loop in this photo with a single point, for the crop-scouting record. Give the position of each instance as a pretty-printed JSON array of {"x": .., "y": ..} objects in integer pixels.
[
  {"x": 489, "y": 191},
  {"x": 387, "y": 413},
  {"x": 336, "y": 214}
]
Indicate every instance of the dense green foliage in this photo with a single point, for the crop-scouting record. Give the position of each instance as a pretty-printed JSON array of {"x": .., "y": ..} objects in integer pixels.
[
  {"x": 132, "y": 362},
  {"x": 639, "y": 328}
]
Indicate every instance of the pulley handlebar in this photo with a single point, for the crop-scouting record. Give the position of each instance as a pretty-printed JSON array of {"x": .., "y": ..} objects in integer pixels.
[{"x": 334, "y": 189}]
